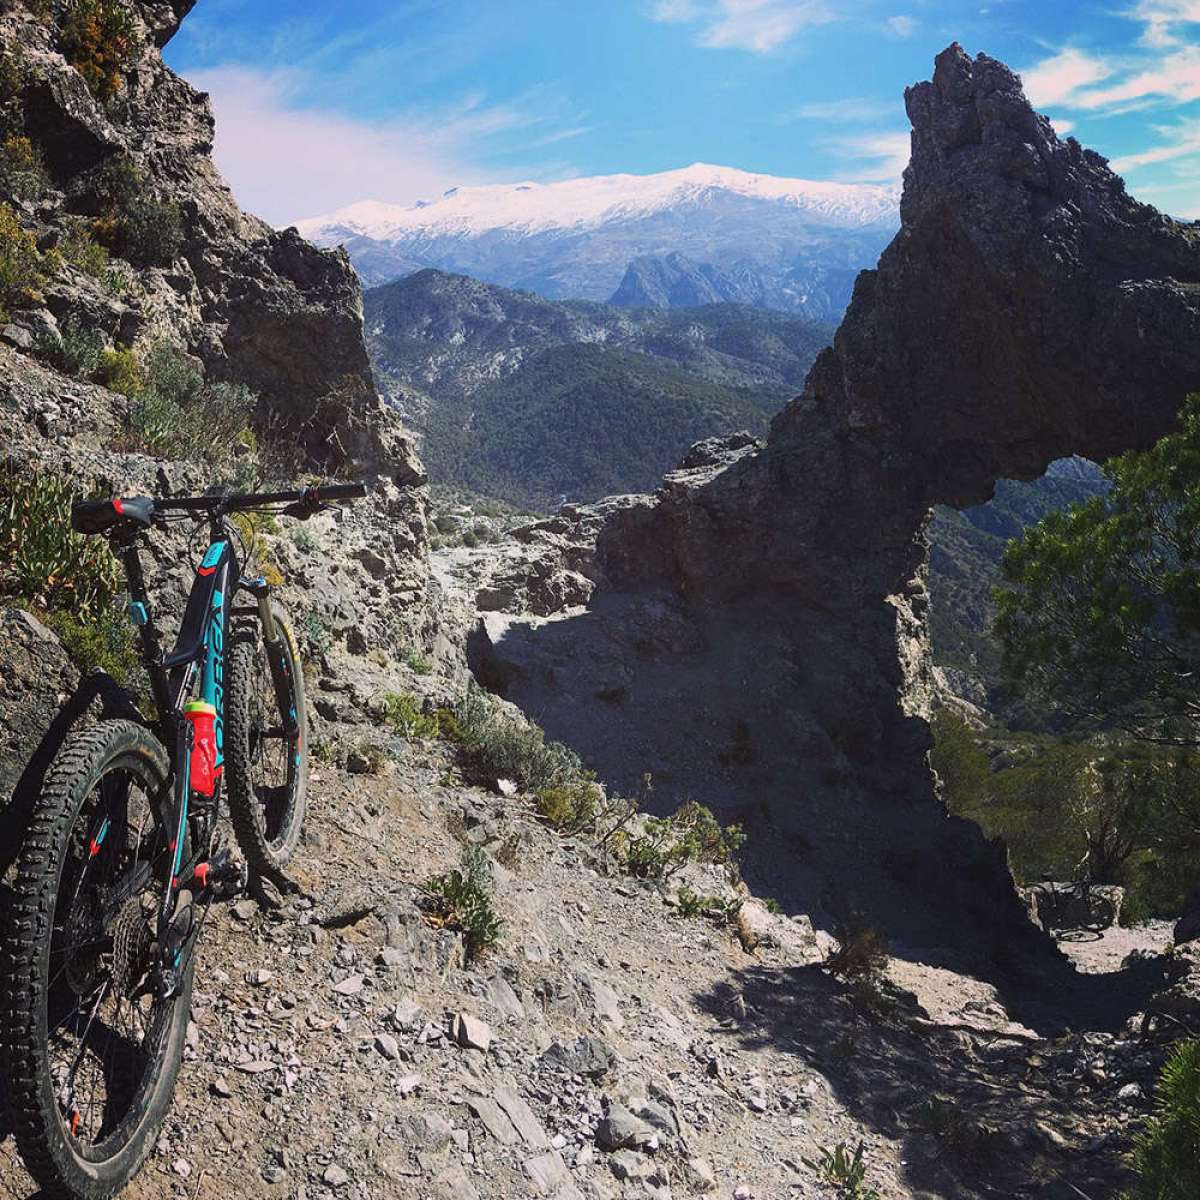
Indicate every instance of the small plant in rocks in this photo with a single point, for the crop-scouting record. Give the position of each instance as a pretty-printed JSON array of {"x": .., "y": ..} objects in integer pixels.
[
  {"x": 498, "y": 746},
  {"x": 568, "y": 807},
  {"x": 1167, "y": 1154},
  {"x": 462, "y": 899},
  {"x": 691, "y": 835},
  {"x": 77, "y": 349},
  {"x": 42, "y": 559},
  {"x": 843, "y": 1170},
  {"x": 403, "y": 712},
  {"x": 22, "y": 171},
  {"x": 860, "y": 962}
]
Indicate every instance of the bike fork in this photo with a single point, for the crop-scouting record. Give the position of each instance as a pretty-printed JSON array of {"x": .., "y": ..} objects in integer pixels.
[{"x": 276, "y": 658}]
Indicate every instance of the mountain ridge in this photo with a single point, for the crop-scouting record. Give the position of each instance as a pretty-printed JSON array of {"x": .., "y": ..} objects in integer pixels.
[{"x": 794, "y": 245}]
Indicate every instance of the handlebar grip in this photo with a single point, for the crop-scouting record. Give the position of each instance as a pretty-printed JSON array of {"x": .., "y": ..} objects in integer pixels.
[{"x": 340, "y": 491}]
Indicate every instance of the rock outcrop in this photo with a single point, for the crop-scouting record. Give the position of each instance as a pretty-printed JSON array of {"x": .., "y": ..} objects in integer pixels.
[
  {"x": 1028, "y": 309},
  {"x": 258, "y": 306},
  {"x": 254, "y": 306}
]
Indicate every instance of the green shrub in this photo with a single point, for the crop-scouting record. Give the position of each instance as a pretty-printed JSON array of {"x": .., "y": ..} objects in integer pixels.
[
  {"x": 568, "y": 806},
  {"x": 99, "y": 39},
  {"x": 860, "y": 962},
  {"x": 256, "y": 556},
  {"x": 402, "y": 711},
  {"x": 418, "y": 663},
  {"x": 120, "y": 371},
  {"x": 717, "y": 909},
  {"x": 78, "y": 247},
  {"x": 846, "y": 1173},
  {"x": 1167, "y": 1155},
  {"x": 667, "y": 844},
  {"x": 22, "y": 266},
  {"x": 105, "y": 642},
  {"x": 497, "y": 746},
  {"x": 178, "y": 414},
  {"x": 42, "y": 559},
  {"x": 118, "y": 184},
  {"x": 22, "y": 170},
  {"x": 316, "y": 633},
  {"x": 76, "y": 349},
  {"x": 152, "y": 233},
  {"x": 12, "y": 76},
  {"x": 462, "y": 900}
]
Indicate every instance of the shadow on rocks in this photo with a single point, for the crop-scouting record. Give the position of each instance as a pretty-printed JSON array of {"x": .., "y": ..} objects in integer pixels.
[{"x": 977, "y": 1114}]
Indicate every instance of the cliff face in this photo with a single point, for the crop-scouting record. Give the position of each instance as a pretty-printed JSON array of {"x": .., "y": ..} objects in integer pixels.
[
  {"x": 258, "y": 306},
  {"x": 1028, "y": 309},
  {"x": 252, "y": 305}
]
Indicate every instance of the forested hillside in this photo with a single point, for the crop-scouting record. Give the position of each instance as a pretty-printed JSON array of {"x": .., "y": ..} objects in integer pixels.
[{"x": 530, "y": 400}]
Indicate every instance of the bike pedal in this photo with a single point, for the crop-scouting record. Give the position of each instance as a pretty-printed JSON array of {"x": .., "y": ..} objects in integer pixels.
[{"x": 222, "y": 877}]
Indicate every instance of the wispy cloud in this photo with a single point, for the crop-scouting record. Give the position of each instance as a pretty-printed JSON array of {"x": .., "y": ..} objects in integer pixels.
[
  {"x": 1059, "y": 78},
  {"x": 1173, "y": 79},
  {"x": 1182, "y": 141},
  {"x": 881, "y": 156},
  {"x": 847, "y": 111},
  {"x": 901, "y": 26},
  {"x": 1179, "y": 199},
  {"x": 1163, "y": 18},
  {"x": 756, "y": 25},
  {"x": 286, "y": 161}
]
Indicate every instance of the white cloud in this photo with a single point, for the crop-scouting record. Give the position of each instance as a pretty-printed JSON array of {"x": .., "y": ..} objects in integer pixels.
[
  {"x": 1061, "y": 127},
  {"x": 853, "y": 108},
  {"x": 1175, "y": 77},
  {"x": 1183, "y": 141},
  {"x": 1161, "y": 17},
  {"x": 883, "y": 156},
  {"x": 756, "y": 25},
  {"x": 675, "y": 10},
  {"x": 285, "y": 161},
  {"x": 901, "y": 26},
  {"x": 1056, "y": 80}
]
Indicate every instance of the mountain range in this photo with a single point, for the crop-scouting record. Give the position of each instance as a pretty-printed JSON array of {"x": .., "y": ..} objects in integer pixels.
[
  {"x": 701, "y": 234},
  {"x": 530, "y": 400}
]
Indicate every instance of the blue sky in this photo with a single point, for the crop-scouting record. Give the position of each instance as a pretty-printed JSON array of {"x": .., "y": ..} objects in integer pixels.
[{"x": 320, "y": 104}]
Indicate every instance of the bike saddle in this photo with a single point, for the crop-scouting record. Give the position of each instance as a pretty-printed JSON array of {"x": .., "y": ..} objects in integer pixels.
[{"x": 96, "y": 516}]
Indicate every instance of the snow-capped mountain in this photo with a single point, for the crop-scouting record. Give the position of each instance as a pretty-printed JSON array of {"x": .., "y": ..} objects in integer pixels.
[{"x": 794, "y": 244}]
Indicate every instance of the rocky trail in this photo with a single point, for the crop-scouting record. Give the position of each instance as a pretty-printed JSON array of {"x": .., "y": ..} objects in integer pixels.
[{"x": 608, "y": 1047}]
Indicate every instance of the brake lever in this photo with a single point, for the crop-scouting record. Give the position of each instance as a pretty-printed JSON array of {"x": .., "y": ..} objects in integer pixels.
[{"x": 303, "y": 509}]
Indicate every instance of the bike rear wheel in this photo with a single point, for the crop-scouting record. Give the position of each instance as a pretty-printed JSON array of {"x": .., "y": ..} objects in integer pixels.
[
  {"x": 93, "y": 1050},
  {"x": 266, "y": 766}
]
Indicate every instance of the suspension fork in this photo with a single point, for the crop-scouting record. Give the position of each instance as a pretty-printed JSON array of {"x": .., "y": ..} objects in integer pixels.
[{"x": 273, "y": 639}]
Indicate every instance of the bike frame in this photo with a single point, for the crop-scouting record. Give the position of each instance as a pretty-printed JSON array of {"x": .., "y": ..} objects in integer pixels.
[{"x": 199, "y": 652}]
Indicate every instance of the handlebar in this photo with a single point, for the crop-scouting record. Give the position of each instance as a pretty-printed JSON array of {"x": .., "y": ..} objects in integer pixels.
[
  {"x": 97, "y": 516},
  {"x": 235, "y": 502}
]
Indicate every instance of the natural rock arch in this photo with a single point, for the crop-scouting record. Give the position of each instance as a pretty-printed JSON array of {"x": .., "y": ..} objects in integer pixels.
[{"x": 1028, "y": 309}]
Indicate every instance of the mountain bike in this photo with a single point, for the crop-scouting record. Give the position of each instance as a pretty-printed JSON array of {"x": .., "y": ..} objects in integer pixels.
[{"x": 122, "y": 859}]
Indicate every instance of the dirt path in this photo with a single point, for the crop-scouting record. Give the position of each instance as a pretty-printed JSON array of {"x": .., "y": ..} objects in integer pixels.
[{"x": 320, "y": 1063}]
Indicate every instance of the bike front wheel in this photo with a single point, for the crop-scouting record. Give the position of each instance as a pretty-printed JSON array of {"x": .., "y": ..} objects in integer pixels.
[
  {"x": 92, "y": 1046},
  {"x": 266, "y": 747}
]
